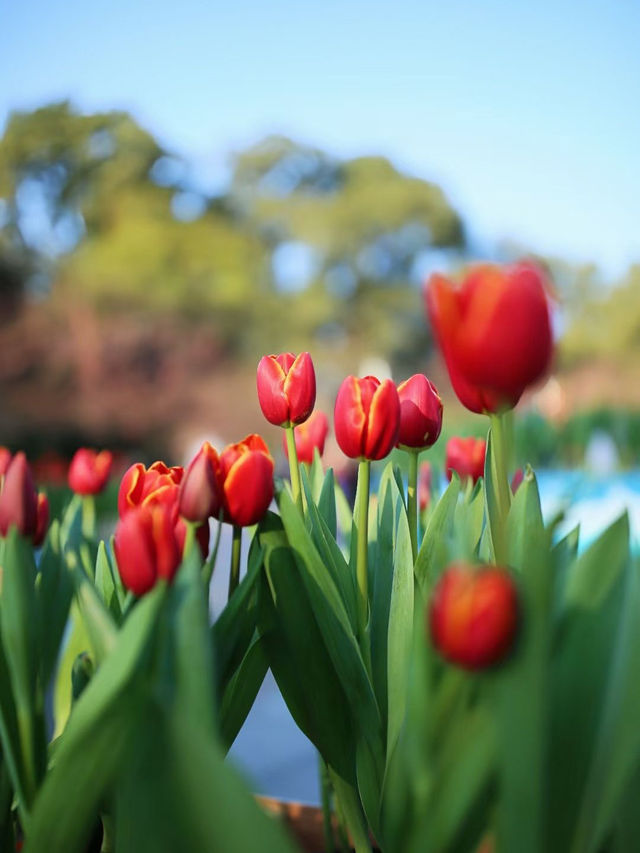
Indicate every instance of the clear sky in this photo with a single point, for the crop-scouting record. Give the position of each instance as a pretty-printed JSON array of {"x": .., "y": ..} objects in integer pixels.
[{"x": 528, "y": 113}]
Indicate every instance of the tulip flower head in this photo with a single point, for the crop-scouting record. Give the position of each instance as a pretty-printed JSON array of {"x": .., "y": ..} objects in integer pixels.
[
  {"x": 286, "y": 388},
  {"x": 420, "y": 413},
  {"x": 466, "y": 457},
  {"x": 310, "y": 435},
  {"x": 18, "y": 499},
  {"x": 473, "y": 615},
  {"x": 147, "y": 547},
  {"x": 200, "y": 496},
  {"x": 367, "y": 417},
  {"x": 494, "y": 332},
  {"x": 245, "y": 481},
  {"x": 156, "y": 484},
  {"x": 5, "y": 458},
  {"x": 89, "y": 471}
]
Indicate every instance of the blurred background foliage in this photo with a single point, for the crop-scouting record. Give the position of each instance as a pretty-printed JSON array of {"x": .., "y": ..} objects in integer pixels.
[{"x": 134, "y": 305}]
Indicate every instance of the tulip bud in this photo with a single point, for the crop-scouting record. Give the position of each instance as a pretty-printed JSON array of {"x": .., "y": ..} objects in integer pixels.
[
  {"x": 466, "y": 457},
  {"x": 18, "y": 500},
  {"x": 146, "y": 547},
  {"x": 308, "y": 436},
  {"x": 367, "y": 417},
  {"x": 42, "y": 524},
  {"x": 494, "y": 332},
  {"x": 5, "y": 458},
  {"x": 89, "y": 471},
  {"x": 420, "y": 413},
  {"x": 286, "y": 388},
  {"x": 473, "y": 615},
  {"x": 200, "y": 496},
  {"x": 246, "y": 481}
]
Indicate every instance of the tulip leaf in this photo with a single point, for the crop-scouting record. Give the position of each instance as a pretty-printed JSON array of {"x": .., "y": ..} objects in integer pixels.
[
  {"x": 242, "y": 690},
  {"x": 105, "y": 583},
  {"x": 344, "y": 512},
  {"x": 54, "y": 593},
  {"x": 327, "y": 503},
  {"x": 100, "y": 627},
  {"x": 591, "y": 575},
  {"x": 433, "y": 554},
  {"x": 10, "y": 736}
]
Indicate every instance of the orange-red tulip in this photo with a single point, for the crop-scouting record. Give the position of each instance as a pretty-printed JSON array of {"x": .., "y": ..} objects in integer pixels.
[
  {"x": 89, "y": 471},
  {"x": 156, "y": 484},
  {"x": 420, "y": 413},
  {"x": 18, "y": 499},
  {"x": 245, "y": 480},
  {"x": 286, "y": 388},
  {"x": 310, "y": 435},
  {"x": 494, "y": 332},
  {"x": 473, "y": 615},
  {"x": 466, "y": 457},
  {"x": 146, "y": 547},
  {"x": 367, "y": 417}
]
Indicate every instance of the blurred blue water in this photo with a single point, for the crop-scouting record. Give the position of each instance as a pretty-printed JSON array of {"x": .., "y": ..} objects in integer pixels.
[{"x": 273, "y": 754}]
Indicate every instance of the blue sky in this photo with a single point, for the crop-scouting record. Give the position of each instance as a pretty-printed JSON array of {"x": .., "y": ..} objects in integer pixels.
[{"x": 528, "y": 113}]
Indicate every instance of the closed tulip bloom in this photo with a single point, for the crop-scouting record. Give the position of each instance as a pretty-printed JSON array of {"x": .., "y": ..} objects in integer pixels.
[
  {"x": 156, "y": 484},
  {"x": 367, "y": 417},
  {"x": 89, "y": 471},
  {"x": 466, "y": 457},
  {"x": 494, "y": 332},
  {"x": 310, "y": 435},
  {"x": 42, "y": 515},
  {"x": 286, "y": 388},
  {"x": 5, "y": 458},
  {"x": 146, "y": 547},
  {"x": 245, "y": 478},
  {"x": 18, "y": 499},
  {"x": 473, "y": 615},
  {"x": 420, "y": 413},
  {"x": 200, "y": 496}
]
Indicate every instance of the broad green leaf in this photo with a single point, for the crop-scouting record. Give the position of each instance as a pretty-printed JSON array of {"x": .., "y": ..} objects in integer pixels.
[
  {"x": 433, "y": 553},
  {"x": 99, "y": 625},
  {"x": 327, "y": 503},
  {"x": 54, "y": 592},
  {"x": 589, "y": 579},
  {"x": 242, "y": 690},
  {"x": 105, "y": 583}
]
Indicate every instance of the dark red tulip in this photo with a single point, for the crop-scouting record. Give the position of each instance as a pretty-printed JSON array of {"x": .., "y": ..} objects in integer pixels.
[
  {"x": 5, "y": 458},
  {"x": 466, "y": 457},
  {"x": 89, "y": 471},
  {"x": 200, "y": 496},
  {"x": 42, "y": 524},
  {"x": 286, "y": 388},
  {"x": 494, "y": 332},
  {"x": 310, "y": 435},
  {"x": 473, "y": 615},
  {"x": 245, "y": 479},
  {"x": 147, "y": 547},
  {"x": 367, "y": 417},
  {"x": 424, "y": 486},
  {"x": 18, "y": 499},
  {"x": 420, "y": 413}
]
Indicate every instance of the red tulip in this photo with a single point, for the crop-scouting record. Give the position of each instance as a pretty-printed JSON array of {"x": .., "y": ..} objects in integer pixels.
[
  {"x": 245, "y": 480},
  {"x": 286, "y": 388},
  {"x": 367, "y": 417},
  {"x": 42, "y": 524},
  {"x": 466, "y": 456},
  {"x": 5, "y": 458},
  {"x": 200, "y": 496},
  {"x": 18, "y": 499},
  {"x": 494, "y": 332},
  {"x": 89, "y": 471},
  {"x": 310, "y": 435},
  {"x": 157, "y": 484},
  {"x": 420, "y": 413},
  {"x": 146, "y": 547},
  {"x": 473, "y": 615},
  {"x": 424, "y": 486}
]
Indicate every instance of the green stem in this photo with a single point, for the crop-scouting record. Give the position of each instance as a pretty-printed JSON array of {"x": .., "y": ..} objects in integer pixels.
[
  {"x": 500, "y": 458},
  {"x": 190, "y": 537},
  {"x": 236, "y": 550},
  {"x": 362, "y": 570},
  {"x": 294, "y": 468},
  {"x": 88, "y": 517},
  {"x": 325, "y": 791},
  {"x": 412, "y": 501}
]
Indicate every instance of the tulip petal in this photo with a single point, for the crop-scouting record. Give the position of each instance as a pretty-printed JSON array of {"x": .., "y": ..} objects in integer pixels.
[
  {"x": 350, "y": 418},
  {"x": 248, "y": 488},
  {"x": 383, "y": 422},
  {"x": 271, "y": 396},
  {"x": 300, "y": 388}
]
